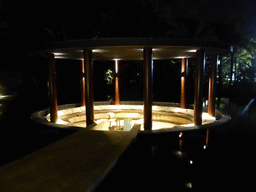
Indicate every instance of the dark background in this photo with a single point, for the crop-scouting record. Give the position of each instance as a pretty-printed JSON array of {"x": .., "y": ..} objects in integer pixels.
[{"x": 26, "y": 25}]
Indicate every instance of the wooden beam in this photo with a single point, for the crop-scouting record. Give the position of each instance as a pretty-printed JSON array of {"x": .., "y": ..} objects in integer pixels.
[
  {"x": 53, "y": 89},
  {"x": 147, "y": 87},
  {"x": 212, "y": 85},
  {"x": 199, "y": 73},
  {"x": 82, "y": 84},
  {"x": 117, "y": 91},
  {"x": 183, "y": 93},
  {"x": 89, "y": 92}
]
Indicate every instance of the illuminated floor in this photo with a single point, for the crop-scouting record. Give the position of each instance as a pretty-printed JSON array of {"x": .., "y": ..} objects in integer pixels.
[
  {"x": 114, "y": 125},
  {"x": 124, "y": 117}
]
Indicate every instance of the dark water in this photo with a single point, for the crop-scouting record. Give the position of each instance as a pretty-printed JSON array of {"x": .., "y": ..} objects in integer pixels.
[
  {"x": 227, "y": 163},
  {"x": 19, "y": 134}
]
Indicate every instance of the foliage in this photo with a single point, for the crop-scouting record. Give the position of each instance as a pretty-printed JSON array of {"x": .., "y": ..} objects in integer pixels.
[
  {"x": 109, "y": 76},
  {"x": 243, "y": 64},
  {"x": 225, "y": 67},
  {"x": 213, "y": 20}
]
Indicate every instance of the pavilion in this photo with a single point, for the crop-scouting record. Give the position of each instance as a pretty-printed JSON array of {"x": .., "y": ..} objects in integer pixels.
[
  {"x": 146, "y": 49},
  {"x": 83, "y": 159}
]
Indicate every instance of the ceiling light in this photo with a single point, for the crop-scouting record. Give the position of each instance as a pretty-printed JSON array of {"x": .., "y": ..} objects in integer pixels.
[{"x": 192, "y": 50}]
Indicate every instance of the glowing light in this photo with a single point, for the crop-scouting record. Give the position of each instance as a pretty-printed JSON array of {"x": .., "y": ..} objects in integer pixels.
[
  {"x": 116, "y": 65},
  {"x": 192, "y": 51},
  {"x": 137, "y": 117},
  {"x": 100, "y": 121},
  {"x": 191, "y": 162},
  {"x": 180, "y": 57},
  {"x": 206, "y": 116},
  {"x": 111, "y": 115},
  {"x": 128, "y": 115},
  {"x": 60, "y": 57},
  {"x": 206, "y": 103},
  {"x": 60, "y": 113},
  {"x": 204, "y": 146},
  {"x": 180, "y": 110},
  {"x": 57, "y": 54},
  {"x": 59, "y": 121},
  {"x": 157, "y": 49},
  {"x": 179, "y": 153},
  {"x": 189, "y": 185},
  {"x": 189, "y": 125},
  {"x": 98, "y": 50},
  {"x": 4, "y": 96},
  {"x": 231, "y": 48}
]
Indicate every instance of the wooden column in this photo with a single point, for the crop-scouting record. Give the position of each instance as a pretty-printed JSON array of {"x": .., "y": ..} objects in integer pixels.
[
  {"x": 117, "y": 93},
  {"x": 199, "y": 73},
  {"x": 212, "y": 84},
  {"x": 82, "y": 84},
  {"x": 147, "y": 87},
  {"x": 53, "y": 89},
  {"x": 184, "y": 69},
  {"x": 89, "y": 95}
]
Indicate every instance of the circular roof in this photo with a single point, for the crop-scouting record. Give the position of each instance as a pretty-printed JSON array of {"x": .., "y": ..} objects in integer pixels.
[{"x": 132, "y": 48}]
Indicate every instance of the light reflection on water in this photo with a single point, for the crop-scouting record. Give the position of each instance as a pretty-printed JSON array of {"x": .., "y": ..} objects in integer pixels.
[
  {"x": 3, "y": 107},
  {"x": 5, "y": 100}
]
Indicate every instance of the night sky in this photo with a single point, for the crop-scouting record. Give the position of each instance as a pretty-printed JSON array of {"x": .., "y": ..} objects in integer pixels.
[
  {"x": 27, "y": 24},
  {"x": 248, "y": 9}
]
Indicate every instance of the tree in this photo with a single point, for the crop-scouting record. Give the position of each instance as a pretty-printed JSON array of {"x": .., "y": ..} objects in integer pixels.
[
  {"x": 210, "y": 20},
  {"x": 244, "y": 69},
  {"x": 244, "y": 64},
  {"x": 241, "y": 83}
]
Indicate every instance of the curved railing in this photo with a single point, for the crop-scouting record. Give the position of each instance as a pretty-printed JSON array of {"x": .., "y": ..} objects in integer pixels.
[{"x": 160, "y": 110}]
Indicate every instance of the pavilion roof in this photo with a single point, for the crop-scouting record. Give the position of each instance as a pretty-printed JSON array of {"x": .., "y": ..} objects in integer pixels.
[{"x": 131, "y": 48}]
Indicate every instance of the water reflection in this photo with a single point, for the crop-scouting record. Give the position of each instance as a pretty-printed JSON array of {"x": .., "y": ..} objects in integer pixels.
[
  {"x": 180, "y": 141},
  {"x": 207, "y": 138},
  {"x": 4, "y": 101}
]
